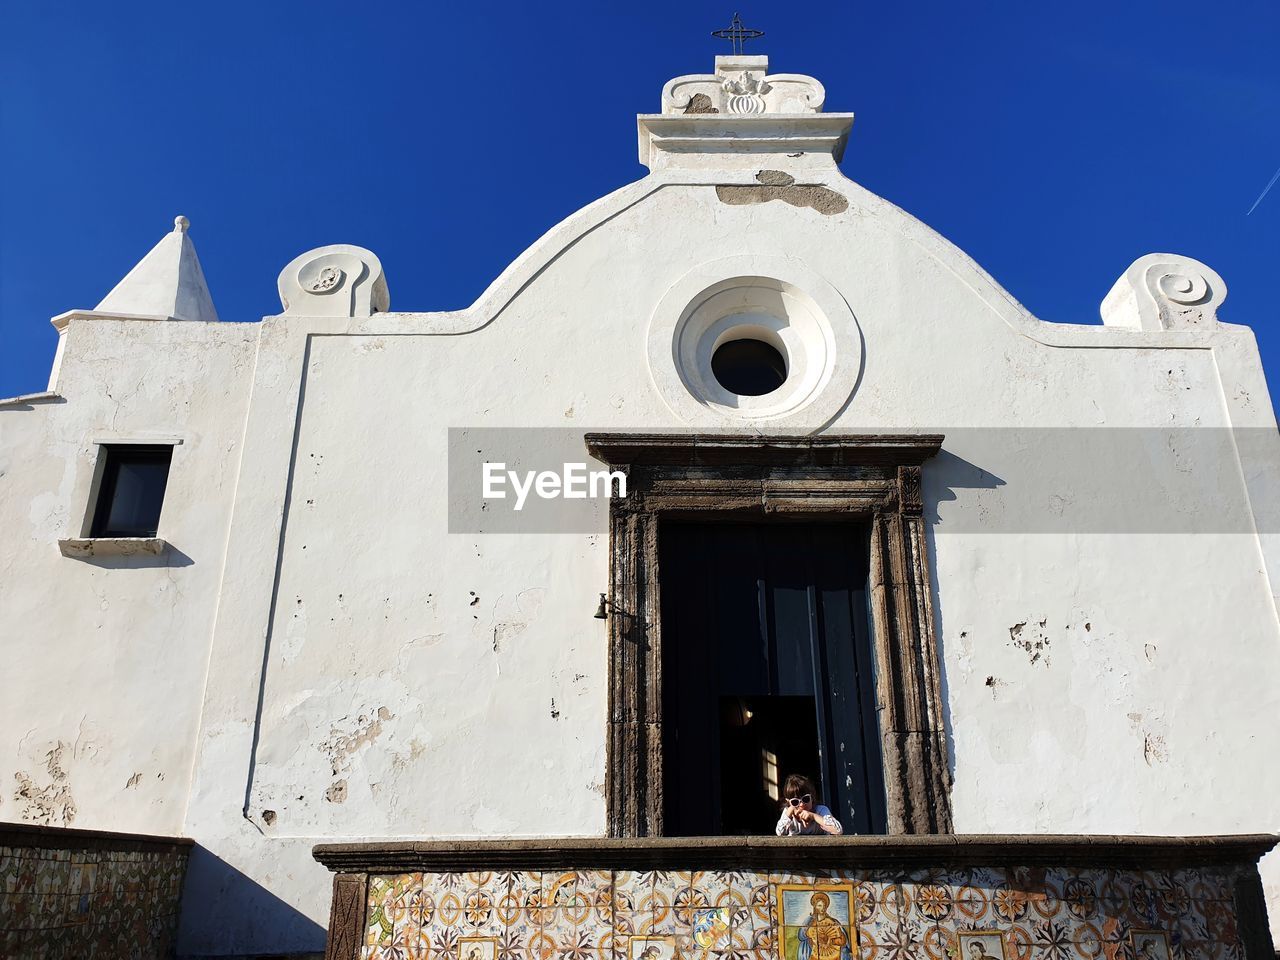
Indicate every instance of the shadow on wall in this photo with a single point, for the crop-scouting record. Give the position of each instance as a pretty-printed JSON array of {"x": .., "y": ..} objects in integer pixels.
[
  {"x": 258, "y": 924},
  {"x": 950, "y": 473},
  {"x": 170, "y": 556}
]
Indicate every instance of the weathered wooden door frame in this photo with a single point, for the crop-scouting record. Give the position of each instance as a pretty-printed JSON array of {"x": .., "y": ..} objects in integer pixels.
[{"x": 876, "y": 478}]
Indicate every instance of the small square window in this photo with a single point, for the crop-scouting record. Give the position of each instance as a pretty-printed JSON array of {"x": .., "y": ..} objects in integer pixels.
[{"x": 131, "y": 491}]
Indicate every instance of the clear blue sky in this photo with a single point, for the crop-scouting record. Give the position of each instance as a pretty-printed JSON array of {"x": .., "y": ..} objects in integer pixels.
[{"x": 1055, "y": 143}]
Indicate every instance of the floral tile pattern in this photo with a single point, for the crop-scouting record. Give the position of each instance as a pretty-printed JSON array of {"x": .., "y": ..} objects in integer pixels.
[
  {"x": 876, "y": 914},
  {"x": 89, "y": 902}
]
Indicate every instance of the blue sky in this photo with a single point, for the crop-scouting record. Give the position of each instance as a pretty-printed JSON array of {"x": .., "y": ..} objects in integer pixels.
[{"x": 1055, "y": 143}]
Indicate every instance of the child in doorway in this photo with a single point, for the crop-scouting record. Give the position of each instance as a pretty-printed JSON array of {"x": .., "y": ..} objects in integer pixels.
[{"x": 800, "y": 815}]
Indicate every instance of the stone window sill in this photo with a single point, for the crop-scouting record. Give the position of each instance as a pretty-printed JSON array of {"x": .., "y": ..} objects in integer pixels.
[{"x": 88, "y": 547}]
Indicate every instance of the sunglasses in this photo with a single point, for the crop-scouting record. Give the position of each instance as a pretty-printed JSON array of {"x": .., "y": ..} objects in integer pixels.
[{"x": 796, "y": 801}]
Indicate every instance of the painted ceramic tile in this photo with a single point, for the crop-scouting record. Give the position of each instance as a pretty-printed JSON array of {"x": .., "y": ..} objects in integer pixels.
[
  {"x": 377, "y": 891},
  {"x": 477, "y": 948},
  {"x": 597, "y": 887},
  {"x": 738, "y": 946},
  {"x": 758, "y": 891},
  {"x": 711, "y": 928},
  {"x": 657, "y": 910},
  {"x": 1115, "y": 930},
  {"x": 764, "y": 943},
  {"x": 1019, "y": 940},
  {"x": 515, "y": 941},
  {"x": 937, "y": 943},
  {"x": 814, "y": 921},
  {"x": 1088, "y": 941},
  {"x": 1202, "y": 883},
  {"x": 525, "y": 889},
  {"x": 660, "y": 917},
  {"x": 1173, "y": 900},
  {"x": 985, "y": 944},
  {"x": 450, "y": 904},
  {"x": 933, "y": 902},
  {"x": 725, "y": 888},
  {"x": 886, "y": 908},
  {"x": 687, "y": 903},
  {"x": 569, "y": 940},
  {"x": 408, "y": 940},
  {"x": 480, "y": 910},
  {"x": 1191, "y": 950},
  {"x": 569, "y": 892},
  {"x": 378, "y": 925},
  {"x": 1228, "y": 933},
  {"x": 902, "y": 941},
  {"x": 651, "y": 948},
  {"x": 1009, "y": 904},
  {"x": 630, "y": 889},
  {"x": 1150, "y": 944},
  {"x": 972, "y": 906},
  {"x": 1052, "y": 939}
]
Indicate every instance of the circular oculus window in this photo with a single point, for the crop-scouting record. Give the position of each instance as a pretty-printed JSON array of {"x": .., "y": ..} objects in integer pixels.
[
  {"x": 748, "y": 368},
  {"x": 726, "y": 345}
]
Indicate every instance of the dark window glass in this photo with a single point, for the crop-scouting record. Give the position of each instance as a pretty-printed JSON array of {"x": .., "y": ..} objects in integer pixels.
[
  {"x": 767, "y": 670},
  {"x": 132, "y": 490},
  {"x": 749, "y": 368}
]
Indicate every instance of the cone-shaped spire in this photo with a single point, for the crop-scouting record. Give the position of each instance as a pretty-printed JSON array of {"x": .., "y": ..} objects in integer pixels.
[{"x": 167, "y": 282}]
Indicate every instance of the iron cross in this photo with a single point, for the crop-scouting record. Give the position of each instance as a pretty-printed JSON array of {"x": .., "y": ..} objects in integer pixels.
[{"x": 737, "y": 34}]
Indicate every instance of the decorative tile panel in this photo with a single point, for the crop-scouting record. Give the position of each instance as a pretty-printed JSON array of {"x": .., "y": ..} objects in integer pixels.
[
  {"x": 69, "y": 894},
  {"x": 735, "y": 913}
]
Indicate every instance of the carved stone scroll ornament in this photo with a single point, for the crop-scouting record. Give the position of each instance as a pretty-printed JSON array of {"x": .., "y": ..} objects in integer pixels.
[
  {"x": 334, "y": 281},
  {"x": 743, "y": 87},
  {"x": 1164, "y": 291}
]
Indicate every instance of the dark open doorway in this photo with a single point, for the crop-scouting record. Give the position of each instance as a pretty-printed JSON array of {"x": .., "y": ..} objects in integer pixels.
[{"x": 767, "y": 670}]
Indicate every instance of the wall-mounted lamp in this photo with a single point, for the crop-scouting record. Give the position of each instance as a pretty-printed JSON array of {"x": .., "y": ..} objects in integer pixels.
[{"x": 602, "y": 612}]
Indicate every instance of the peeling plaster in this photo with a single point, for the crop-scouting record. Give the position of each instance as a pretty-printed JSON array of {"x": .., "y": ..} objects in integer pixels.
[
  {"x": 52, "y": 804},
  {"x": 339, "y": 747},
  {"x": 776, "y": 185}
]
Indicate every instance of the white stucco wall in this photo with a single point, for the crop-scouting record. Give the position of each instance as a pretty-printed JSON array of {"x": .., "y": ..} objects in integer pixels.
[
  {"x": 105, "y": 660},
  {"x": 418, "y": 683}
]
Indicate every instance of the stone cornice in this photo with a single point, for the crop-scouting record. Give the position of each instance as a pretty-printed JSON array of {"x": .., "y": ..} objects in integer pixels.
[
  {"x": 665, "y": 138},
  {"x": 71, "y": 838},
  {"x": 823, "y": 450},
  {"x": 795, "y": 853}
]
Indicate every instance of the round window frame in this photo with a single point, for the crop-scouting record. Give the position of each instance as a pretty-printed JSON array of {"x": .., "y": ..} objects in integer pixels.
[{"x": 821, "y": 343}]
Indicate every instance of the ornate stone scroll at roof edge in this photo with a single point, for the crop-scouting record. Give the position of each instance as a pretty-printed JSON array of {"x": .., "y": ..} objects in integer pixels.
[
  {"x": 1165, "y": 291},
  {"x": 340, "y": 280},
  {"x": 729, "y": 119},
  {"x": 742, "y": 85}
]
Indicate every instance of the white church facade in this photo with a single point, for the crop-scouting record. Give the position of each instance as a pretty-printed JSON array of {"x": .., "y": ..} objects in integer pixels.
[{"x": 972, "y": 571}]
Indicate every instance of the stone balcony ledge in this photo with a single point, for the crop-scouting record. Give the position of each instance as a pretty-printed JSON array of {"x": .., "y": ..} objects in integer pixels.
[
  {"x": 656, "y": 853},
  {"x": 913, "y": 897}
]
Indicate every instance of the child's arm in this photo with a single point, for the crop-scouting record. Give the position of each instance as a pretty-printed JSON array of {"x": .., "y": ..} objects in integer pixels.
[
  {"x": 826, "y": 822},
  {"x": 787, "y": 825}
]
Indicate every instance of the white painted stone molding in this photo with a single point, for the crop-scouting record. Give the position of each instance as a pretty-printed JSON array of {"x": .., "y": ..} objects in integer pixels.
[
  {"x": 741, "y": 86},
  {"x": 726, "y": 120},
  {"x": 166, "y": 284},
  {"x": 1164, "y": 291},
  {"x": 753, "y": 297},
  {"x": 339, "y": 280}
]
